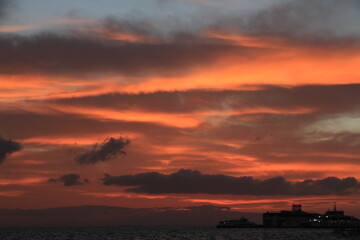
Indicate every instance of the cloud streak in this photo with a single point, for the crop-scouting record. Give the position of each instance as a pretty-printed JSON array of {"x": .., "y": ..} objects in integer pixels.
[
  {"x": 322, "y": 98},
  {"x": 55, "y": 54},
  {"x": 193, "y": 182}
]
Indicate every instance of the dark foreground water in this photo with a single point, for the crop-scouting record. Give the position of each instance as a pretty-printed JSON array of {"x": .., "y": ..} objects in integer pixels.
[{"x": 138, "y": 233}]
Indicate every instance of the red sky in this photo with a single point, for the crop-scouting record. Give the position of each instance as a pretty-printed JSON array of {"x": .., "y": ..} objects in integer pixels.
[{"x": 252, "y": 108}]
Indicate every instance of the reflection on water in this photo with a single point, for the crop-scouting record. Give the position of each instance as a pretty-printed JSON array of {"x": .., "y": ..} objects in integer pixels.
[{"x": 139, "y": 233}]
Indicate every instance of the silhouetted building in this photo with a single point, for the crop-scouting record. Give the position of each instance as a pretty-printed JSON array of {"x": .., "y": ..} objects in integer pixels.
[
  {"x": 298, "y": 218},
  {"x": 294, "y": 218}
]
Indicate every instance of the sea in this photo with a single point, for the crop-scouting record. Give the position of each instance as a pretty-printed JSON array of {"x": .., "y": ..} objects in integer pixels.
[{"x": 160, "y": 233}]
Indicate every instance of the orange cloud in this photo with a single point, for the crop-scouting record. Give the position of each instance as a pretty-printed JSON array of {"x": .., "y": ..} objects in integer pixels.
[
  {"x": 289, "y": 69},
  {"x": 121, "y": 194},
  {"x": 15, "y": 28},
  {"x": 11, "y": 193},
  {"x": 23, "y": 181},
  {"x": 240, "y": 40}
]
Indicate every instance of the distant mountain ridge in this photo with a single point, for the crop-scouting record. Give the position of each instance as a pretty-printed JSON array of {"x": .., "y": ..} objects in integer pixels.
[{"x": 205, "y": 215}]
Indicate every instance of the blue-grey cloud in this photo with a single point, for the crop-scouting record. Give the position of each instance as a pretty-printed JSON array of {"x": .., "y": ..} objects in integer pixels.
[
  {"x": 302, "y": 21},
  {"x": 3, "y": 4}
]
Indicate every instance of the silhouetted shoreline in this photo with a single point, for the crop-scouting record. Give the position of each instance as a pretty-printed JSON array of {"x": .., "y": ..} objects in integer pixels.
[{"x": 297, "y": 218}]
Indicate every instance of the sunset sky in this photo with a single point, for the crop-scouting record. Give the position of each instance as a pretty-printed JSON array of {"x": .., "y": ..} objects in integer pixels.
[{"x": 173, "y": 103}]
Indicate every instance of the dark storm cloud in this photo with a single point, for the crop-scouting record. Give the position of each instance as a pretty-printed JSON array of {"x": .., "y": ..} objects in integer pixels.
[
  {"x": 69, "y": 180},
  {"x": 55, "y": 54},
  {"x": 192, "y": 182},
  {"x": 311, "y": 21},
  {"x": 7, "y": 147},
  {"x": 109, "y": 149}
]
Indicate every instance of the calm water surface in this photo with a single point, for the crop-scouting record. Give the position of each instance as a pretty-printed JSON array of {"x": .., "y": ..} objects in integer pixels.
[{"x": 138, "y": 233}]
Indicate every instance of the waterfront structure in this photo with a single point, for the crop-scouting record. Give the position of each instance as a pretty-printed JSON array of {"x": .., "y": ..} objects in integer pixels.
[
  {"x": 237, "y": 223},
  {"x": 298, "y": 218}
]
